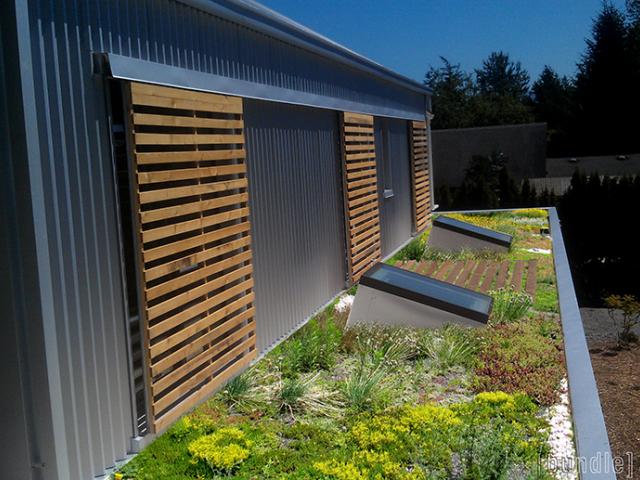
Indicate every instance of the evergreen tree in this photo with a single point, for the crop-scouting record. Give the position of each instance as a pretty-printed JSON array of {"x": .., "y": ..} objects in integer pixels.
[
  {"x": 452, "y": 91},
  {"x": 553, "y": 100},
  {"x": 603, "y": 85}
]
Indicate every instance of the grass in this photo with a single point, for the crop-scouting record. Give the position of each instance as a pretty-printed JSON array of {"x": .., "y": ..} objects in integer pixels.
[{"x": 373, "y": 402}]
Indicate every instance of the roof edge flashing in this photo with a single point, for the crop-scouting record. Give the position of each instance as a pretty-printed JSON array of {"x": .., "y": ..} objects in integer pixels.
[{"x": 264, "y": 20}]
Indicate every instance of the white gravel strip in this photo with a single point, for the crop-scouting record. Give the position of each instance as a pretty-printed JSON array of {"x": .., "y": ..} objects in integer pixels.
[
  {"x": 539, "y": 250},
  {"x": 562, "y": 461},
  {"x": 344, "y": 303}
]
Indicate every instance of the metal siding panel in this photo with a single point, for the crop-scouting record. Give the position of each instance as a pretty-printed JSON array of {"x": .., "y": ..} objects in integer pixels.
[
  {"x": 296, "y": 213},
  {"x": 81, "y": 217}
]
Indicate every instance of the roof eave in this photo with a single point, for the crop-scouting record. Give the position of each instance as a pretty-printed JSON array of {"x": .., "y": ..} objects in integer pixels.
[{"x": 260, "y": 18}]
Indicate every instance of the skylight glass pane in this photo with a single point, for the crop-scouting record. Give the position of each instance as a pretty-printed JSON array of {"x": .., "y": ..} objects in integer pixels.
[
  {"x": 427, "y": 290},
  {"x": 473, "y": 230}
]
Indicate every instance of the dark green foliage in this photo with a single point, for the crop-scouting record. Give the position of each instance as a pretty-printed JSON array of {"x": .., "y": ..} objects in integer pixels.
[
  {"x": 553, "y": 101},
  {"x": 412, "y": 251},
  {"x": 515, "y": 357},
  {"x": 597, "y": 216},
  {"x": 605, "y": 88},
  {"x": 453, "y": 89},
  {"x": 591, "y": 114},
  {"x": 313, "y": 347}
]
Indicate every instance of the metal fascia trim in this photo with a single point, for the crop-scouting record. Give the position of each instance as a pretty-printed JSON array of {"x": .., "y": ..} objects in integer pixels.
[{"x": 133, "y": 69}]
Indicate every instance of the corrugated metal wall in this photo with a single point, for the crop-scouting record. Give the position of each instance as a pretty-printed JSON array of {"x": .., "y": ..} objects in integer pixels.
[
  {"x": 83, "y": 244},
  {"x": 396, "y": 219},
  {"x": 296, "y": 213},
  {"x": 171, "y": 33},
  {"x": 298, "y": 226}
]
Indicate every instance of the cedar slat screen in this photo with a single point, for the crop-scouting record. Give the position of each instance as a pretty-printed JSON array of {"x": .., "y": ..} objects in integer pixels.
[
  {"x": 420, "y": 175},
  {"x": 196, "y": 266},
  {"x": 360, "y": 193}
]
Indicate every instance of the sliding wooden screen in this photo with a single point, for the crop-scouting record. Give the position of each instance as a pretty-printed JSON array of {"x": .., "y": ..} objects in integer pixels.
[
  {"x": 196, "y": 268},
  {"x": 361, "y": 193},
  {"x": 420, "y": 175}
]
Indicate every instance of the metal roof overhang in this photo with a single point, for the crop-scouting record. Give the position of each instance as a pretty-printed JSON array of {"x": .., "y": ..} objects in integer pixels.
[
  {"x": 128, "y": 68},
  {"x": 262, "y": 19}
]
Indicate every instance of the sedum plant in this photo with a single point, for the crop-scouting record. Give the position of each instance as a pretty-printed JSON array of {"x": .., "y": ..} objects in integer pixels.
[{"x": 222, "y": 450}]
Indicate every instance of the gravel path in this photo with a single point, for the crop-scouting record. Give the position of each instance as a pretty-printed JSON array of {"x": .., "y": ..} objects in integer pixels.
[{"x": 598, "y": 326}]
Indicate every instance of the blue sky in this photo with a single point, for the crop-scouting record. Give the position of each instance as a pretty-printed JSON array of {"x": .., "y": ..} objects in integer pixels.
[{"x": 409, "y": 35}]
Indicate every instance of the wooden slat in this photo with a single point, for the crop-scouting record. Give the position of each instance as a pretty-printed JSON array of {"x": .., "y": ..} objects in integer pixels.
[
  {"x": 489, "y": 276},
  {"x": 360, "y": 192},
  {"x": 203, "y": 392},
  {"x": 189, "y": 261},
  {"x": 187, "y": 139},
  {"x": 200, "y": 206},
  {"x": 502, "y": 274},
  {"x": 427, "y": 268},
  {"x": 197, "y": 275},
  {"x": 474, "y": 281},
  {"x": 189, "y": 173},
  {"x": 178, "y": 246},
  {"x": 358, "y": 118},
  {"x": 532, "y": 267},
  {"x": 443, "y": 270},
  {"x": 150, "y": 119},
  {"x": 466, "y": 272},
  {"x": 191, "y": 225},
  {"x": 160, "y": 158},
  {"x": 453, "y": 274},
  {"x": 194, "y": 346},
  {"x": 516, "y": 278},
  {"x": 191, "y": 191},
  {"x": 197, "y": 303},
  {"x": 192, "y": 381},
  {"x": 420, "y": 175}
]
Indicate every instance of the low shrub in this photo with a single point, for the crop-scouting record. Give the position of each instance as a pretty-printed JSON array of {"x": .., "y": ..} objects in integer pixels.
[
  {"x": 223, "y": 450},
  {"x": 517, "y": 357},
  {"x": 448, "y": 347},
  {"x": 509, "y": 305},
  {"x": 312, "y": 347},
  {"x": 624, "y": 311}
]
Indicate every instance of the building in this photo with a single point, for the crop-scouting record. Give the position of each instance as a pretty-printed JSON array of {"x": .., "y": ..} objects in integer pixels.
[
  {"x": 184, "y": 183},
  {"x": 522, "y": 147}
]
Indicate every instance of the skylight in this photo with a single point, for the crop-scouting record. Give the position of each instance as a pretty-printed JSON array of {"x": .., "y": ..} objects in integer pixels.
[
  {"x": 470, "y": 230},
  {"x": 428, "y": 291}
]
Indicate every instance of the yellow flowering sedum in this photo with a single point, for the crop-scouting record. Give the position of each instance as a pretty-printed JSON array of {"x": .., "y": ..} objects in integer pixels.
[{"x": 222, "y": 450}]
